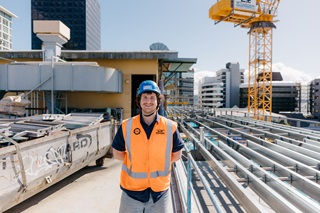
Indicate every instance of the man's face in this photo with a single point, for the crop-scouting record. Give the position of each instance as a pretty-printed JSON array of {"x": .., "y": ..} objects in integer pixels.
[{"x": 148, "y": 102}]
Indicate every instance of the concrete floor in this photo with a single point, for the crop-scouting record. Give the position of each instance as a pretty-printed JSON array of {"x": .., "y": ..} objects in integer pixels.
[{"x": 92, "y": 189}]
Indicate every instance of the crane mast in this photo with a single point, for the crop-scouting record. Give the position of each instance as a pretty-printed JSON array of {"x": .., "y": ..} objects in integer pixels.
[{"x": 258, "y": 17}]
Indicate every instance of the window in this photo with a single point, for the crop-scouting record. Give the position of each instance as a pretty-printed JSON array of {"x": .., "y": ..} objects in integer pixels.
[
  {"x": 5, "y": 36},
  {"x": 5, "y": 29},
  {"x": 5, "y": 22}
]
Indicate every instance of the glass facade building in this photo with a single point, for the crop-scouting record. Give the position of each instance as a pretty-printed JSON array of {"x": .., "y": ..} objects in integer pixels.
[
  {"x": 81, "y": 16},
  {"x": 285, "y": 96}
]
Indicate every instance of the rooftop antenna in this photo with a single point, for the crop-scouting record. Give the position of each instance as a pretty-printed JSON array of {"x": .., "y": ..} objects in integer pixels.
[{"x": 158, "y": 46}]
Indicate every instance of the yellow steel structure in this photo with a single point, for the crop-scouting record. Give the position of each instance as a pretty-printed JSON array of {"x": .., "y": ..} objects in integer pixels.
[
  {"x": 177, "y": 102},
  {"x": 258, "y": 16}
]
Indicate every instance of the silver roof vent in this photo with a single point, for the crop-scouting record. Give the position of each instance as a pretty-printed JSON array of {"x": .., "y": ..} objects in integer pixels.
[{"x": 53, "y": 34}]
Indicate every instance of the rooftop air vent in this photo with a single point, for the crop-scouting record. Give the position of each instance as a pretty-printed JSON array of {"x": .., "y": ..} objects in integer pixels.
[{"x": 53, "y": 34}]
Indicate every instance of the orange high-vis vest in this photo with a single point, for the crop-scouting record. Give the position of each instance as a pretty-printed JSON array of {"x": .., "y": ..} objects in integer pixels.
[{"x": 147, "y": 162}]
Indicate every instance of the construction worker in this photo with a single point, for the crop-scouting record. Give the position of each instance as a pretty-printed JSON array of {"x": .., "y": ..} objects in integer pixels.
[{"x": 147, "y": 144}]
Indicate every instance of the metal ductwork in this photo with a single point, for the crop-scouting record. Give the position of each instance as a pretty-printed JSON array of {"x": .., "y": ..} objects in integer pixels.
[{"x": 60, "y": 76}]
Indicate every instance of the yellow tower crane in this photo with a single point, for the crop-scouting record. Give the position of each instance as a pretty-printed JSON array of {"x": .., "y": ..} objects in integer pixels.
[{"x": 258, "y": 16}]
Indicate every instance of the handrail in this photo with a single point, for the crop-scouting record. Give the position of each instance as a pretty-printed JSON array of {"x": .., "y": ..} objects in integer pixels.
[{"x": 203, "y": 180}]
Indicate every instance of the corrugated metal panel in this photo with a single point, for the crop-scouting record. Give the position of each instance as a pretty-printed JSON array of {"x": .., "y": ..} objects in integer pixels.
[{"x": 66, "y": 77}]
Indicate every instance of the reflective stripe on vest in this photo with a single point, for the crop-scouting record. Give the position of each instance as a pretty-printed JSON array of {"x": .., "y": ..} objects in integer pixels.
[{"x": 154, "y": 174}]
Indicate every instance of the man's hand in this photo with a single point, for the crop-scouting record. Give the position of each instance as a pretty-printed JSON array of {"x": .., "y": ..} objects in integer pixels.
[
  {"x": 175, "y": 156},
  {"x": 118, "y": 154}
]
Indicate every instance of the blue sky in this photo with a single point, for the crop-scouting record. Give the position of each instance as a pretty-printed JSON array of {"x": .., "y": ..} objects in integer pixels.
[{"x": 184, "y": 26}]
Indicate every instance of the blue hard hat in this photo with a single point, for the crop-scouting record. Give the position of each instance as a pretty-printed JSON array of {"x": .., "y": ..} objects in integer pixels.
[{"x": 148, "y": 86}]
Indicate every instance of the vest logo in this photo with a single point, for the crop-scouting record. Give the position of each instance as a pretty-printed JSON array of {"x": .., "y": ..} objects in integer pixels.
[
  {"x": 136, "y": 131},
  {"x": 160, "y": 131}
]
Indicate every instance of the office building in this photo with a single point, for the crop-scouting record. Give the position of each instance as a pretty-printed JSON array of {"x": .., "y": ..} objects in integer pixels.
[
  {"x": 6, "y": 28},
  {"x": 315, "y": 98},
  {"x": 223, "y": 90},
  {"x": 285, "y": 95},
  {"x": 180, "y": 89},
  {"x": 81, "y": 16},
  {"x": 210, "y": 93}
]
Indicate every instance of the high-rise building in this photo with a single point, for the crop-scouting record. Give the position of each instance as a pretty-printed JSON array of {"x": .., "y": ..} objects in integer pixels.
[
  {"x": 6, "y": 28},
  {"x": 82, "y": 17},
  {"x": 223, "y": 90},
  {"x": 315, "y": 97}
]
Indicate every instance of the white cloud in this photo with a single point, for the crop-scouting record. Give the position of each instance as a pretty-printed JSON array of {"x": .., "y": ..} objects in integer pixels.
[
  {"x": 291, "y": 74},
  {"x": 288, "y": 73}
]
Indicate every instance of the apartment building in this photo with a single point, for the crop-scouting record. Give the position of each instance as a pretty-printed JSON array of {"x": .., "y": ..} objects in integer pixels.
[{"x": 6, "y": 28}]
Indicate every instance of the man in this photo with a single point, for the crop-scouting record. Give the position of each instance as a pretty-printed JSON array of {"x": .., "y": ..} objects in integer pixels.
[{"x": 147, "y": 144}]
